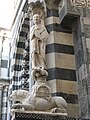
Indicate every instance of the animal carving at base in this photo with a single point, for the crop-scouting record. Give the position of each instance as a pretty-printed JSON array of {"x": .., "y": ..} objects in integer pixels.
[{"x": 39, "y": 99}]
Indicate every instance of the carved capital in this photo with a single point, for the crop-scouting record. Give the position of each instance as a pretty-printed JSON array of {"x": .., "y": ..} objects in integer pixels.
[{"x": 37, "y": 7}]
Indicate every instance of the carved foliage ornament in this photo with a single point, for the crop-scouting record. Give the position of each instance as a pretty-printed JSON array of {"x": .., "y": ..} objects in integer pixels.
[
  {"x": 37, "y": 7},
  {"x": 81, "y": 3}
]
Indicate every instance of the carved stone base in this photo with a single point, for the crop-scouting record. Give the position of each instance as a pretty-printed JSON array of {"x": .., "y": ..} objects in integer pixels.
[{"x": 40, "y": 116}]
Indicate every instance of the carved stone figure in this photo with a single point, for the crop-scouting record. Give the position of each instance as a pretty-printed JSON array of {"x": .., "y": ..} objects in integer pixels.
[
  {"x": 38, "y": 36},
  {"x": 40, "y": 98},
  {"x": 22, "y": 97},
  {"x": 37, "y": 7}
]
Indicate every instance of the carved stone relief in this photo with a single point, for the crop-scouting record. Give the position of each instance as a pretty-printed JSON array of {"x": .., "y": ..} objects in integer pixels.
[{"x": 40, "y": 98}]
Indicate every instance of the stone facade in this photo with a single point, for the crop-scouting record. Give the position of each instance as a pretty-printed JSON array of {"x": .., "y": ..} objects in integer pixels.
[{"x": 67, "y": 54}]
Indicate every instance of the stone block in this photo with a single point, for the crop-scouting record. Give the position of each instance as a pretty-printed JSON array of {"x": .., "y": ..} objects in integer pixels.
[
  {"x": 40, "y": 116},
  {"x": 67, "y": 13}
]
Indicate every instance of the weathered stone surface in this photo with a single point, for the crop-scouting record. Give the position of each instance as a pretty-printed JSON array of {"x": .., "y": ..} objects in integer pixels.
[{"x": 40, "y": 116}]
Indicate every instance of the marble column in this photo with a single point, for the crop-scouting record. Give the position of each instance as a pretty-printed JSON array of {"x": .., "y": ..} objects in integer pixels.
[{"x": 1, "y": 87}]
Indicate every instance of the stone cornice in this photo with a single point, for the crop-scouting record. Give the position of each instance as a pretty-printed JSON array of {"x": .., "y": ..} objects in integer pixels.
[{"x": 52, "y": 4}]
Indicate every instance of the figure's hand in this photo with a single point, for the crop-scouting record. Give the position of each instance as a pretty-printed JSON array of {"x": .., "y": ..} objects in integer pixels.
[{"x": 41, "y": 33}]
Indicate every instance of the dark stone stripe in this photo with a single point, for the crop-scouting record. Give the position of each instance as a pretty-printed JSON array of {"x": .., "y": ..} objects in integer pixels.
[
  {"x": 15, "y": 87},
  {"x": 25, "y": 8},
  {"x": 86, "y": 13},
  {"x": 25, "y": 26},
  {"x": 56, "y": 2},
  {"x": 52, "y": 12},
  {"x": 79, "y": 56},
  {"x": 61, "y": 73},
  {"x": 4, "y": 63},
  {"x": 60, "y": 48},
  {"x": 27, "y": 48},
  {"x": 16, "y": 78},
  {"x": 23, "y": 34},
  {"x": 4, "y": 104},
  {"x": 21, "y": 45},
  {"x": 5, "y": 93},
  {"x": 4, "y": 116},
  {"x": 87, "y": 31},
  {"x": 18, "y": 56},
  {"x": 70, "y": 98},
  {"x": 58, "y": 28},
  {"x": 78, "y": 47},
  {"x": 27, "y": 19},
  {"x": 16, "y": 67}
]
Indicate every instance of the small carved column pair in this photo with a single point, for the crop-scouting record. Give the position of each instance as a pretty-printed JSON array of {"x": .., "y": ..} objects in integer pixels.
[
  {"x": 25, "y": 68},
  {"x": 1, "y": 88}
]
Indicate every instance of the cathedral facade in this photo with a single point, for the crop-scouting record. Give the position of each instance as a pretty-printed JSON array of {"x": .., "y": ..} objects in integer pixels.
[{"x": 67, "y": 53}]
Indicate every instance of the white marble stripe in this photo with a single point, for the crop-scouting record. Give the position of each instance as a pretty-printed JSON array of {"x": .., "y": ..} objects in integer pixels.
[
  {"x": 64, "y": 38},
  {"x": 22, "y": 39},
  {"x": 68, "y": 87},
  {"x": 60, "y": 60},
  {"x": 24, "y": 29},
  {"x": 20, "y": 51},
  {"x": 73, "y": 110},
  {"x": 86, "y": 20},
  {"x": 52, "y": 20},
  {"x": 52, "y": 85},
  {"x": 88, "y": 42},
  {"x": 26, "y": 22},
  {"x": 60, "y": 38},
  {"x": 16, "y": 73},
  {"x": 50, "y": 60}
]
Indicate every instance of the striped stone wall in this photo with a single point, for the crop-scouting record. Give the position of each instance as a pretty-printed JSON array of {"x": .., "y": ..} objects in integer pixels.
[
  {"x": 4, "y": 84},
  {"x": 67, "y": 58},
  {"x": 61, "y": 61},
  {"x": 59, "y": 56},
  {"x": 18, "y": 42}
]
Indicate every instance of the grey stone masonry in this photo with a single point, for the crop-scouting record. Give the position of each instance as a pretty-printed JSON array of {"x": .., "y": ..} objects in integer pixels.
[{"x": 81, "y": 32}]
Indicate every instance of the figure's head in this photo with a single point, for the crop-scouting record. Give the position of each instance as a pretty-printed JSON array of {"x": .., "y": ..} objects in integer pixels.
[{"x": 36, "y": 19}]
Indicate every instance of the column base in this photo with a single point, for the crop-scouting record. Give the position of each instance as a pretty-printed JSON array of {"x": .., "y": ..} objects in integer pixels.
[{"x": 34, "y": 115}]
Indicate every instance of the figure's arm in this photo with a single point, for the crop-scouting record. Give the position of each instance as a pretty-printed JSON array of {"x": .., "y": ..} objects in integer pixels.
[
  {"x": 32, "y": 33},
  {"x": 43, "y": 33}
]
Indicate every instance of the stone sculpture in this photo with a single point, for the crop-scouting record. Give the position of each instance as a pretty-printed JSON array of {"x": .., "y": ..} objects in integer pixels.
[
  {"x": 38, "y": 35},
  {"x": 40, "y": 98}
]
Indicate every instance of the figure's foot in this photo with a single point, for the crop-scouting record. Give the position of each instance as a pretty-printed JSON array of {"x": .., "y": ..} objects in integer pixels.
[
  {"x": 58, "y": 110},
  {"x": 23, "y": 107}
]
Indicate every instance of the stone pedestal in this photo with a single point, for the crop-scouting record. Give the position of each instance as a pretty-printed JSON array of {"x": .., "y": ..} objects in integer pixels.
[{"x": 40, "y": 116}]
